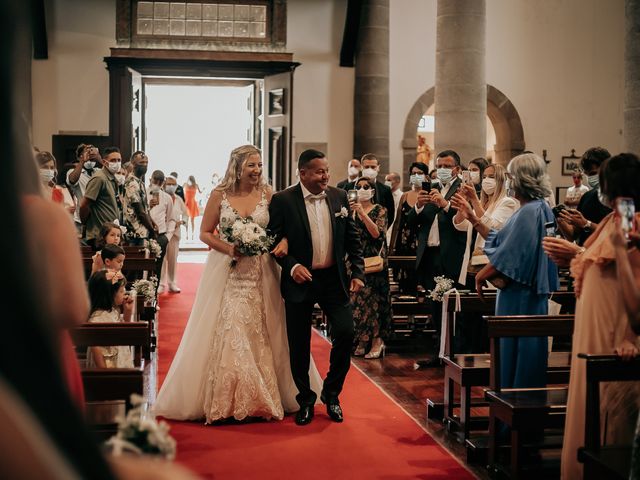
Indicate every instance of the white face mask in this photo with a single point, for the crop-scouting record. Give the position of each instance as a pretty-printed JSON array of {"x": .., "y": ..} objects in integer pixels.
[
  {"x": 89, "y": 164},
  {"x": 47, "y": 175},
  {"x": 364, "y": 195},
  {"x": 475, "y": 177},
  {"x": 370, "y": 173},
  {"x": 120, "y": 178},
  {"x": 489, "y": 185},
  {"x": 170, "y": 189},
  {"x": 354, "y": 171},
  {"x": 593, "y": 180},
  {"x": 114, "y": 167},
  {"x": 388, "y": 183},
  {"x": 444, "y": 175},
  {"x": 416, "y": 179}
]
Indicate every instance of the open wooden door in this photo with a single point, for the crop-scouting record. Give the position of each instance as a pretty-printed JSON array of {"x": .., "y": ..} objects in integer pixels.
[
  {"x": 126, "y": 97},
  {"x": 276, "y": 132}
]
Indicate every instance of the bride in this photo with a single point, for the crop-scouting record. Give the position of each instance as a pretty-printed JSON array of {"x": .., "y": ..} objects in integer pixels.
[{"x": 233, "y": 359}]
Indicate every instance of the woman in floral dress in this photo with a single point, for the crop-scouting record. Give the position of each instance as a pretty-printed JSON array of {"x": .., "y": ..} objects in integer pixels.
[{"x": 372, "y": 304}]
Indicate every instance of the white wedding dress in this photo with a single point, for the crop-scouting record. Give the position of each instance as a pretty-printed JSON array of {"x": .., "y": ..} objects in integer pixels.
[{"x": 233, "y": 359}]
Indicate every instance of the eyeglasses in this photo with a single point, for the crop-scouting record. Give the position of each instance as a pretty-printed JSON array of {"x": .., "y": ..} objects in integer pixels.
[{"x": 364, "y": 187}]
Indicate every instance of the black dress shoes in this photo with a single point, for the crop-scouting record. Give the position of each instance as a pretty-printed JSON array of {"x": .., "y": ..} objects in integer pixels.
[
  {"x": 304, "y": 415},
  {"x": 333, "y": 409}
]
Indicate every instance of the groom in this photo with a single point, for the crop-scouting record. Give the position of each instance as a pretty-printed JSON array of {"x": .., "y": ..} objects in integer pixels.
[{"x": 315, "y": 220}]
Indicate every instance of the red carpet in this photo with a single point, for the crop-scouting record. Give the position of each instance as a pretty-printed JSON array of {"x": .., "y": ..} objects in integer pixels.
[{"x": 376, "y": 441}]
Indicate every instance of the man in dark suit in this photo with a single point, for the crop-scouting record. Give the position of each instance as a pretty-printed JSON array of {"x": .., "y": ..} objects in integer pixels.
[
  {"x": 315, "y": 219},
  {"x": 382, "y": 195},
  {"x": 354, "y": 169},
  {"x": 441, "y": 247}
]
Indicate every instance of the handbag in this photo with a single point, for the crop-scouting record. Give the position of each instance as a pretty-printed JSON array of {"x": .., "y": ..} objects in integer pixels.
[{"x": 374, "y": 264}]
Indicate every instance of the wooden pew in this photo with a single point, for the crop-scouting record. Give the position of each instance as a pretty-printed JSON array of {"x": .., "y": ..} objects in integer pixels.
[
  {"x": 111, "y": 387},
  {"x": 609, "y": 461},
  {"x": 524, "y": 410},
  {"x": 129, "y": 251},
  {"x": 472, "y": 370},
  {"x": 133, "y": 268}
]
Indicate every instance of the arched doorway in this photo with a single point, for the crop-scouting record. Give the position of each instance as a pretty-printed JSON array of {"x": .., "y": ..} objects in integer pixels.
[{"x": 504, "y": 118}]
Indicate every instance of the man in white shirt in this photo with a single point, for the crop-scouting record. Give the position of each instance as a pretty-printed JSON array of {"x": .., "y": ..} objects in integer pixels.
[
  {"x": 78, "y": 177},
  {"x": 162, "y": 216},
  {"x": 178, "y": 215},
  {"x": 392, "y": 180},
  {"x": 575, "y": 192}
]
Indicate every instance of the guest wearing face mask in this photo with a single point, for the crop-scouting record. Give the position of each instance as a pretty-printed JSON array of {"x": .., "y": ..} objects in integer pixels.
[
  {"x": 47, "y": 164},
  {"x": 140, "y": 226},
  {"x": 100, "y": 203},
  {"x": 404, "y": 236},
  {"x": 579, "y": 224},
  {"x": 354, "y": 168},
  {"x": 441, "y": 246},
  {"x": 382, "y": 196},
  {"x": 372, "y": 303},
  {"x": 87, "y": 160},
  {"x": 476, "y": 170},
  {"x": 161, "y": 214},
  {"x": 179, "y": 215},
  {"x": 392, "y": 180}
]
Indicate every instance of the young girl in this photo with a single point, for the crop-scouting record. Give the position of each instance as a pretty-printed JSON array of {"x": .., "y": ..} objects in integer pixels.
[
  {"x": 111, "y": 257},
  {"x": 107, "y": 294}
]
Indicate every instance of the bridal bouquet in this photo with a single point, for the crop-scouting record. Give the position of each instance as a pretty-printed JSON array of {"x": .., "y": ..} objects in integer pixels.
[
  {"x": 141, "y": 434},
  {"x": 443, "y": 285},
  {"x": 248, "y": 237}
]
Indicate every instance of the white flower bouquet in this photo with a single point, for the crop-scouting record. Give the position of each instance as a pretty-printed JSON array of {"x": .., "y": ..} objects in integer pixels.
[
  {"x": 443, "y": 285},
  {"x": 248, "y": 237},
  {"x": 146, "y": 288},
  {"x": 154, "y": 248},
  {"x": 141, "y": 434}
]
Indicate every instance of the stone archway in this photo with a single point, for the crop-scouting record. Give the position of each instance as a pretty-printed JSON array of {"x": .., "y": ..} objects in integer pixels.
[{"x": 501, "y": 112}]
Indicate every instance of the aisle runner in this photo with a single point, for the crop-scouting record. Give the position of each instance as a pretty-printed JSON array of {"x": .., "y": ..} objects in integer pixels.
[{"x": 377, "y": 439}]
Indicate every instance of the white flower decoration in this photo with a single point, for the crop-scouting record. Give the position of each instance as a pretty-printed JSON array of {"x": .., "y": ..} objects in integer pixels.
[{"x": 344, "y": 213}]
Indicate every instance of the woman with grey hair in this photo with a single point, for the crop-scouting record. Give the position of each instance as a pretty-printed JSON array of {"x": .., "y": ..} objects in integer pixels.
[{"x": 521, "y": 270}]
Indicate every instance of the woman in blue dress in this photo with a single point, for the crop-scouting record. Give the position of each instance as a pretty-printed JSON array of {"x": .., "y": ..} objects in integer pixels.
[{"x": 522, "y": 271}]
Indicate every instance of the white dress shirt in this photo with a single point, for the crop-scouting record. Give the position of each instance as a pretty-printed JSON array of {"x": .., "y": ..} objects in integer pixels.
[
  {"x": 434, "y": 234},
  {"x": 397, "y": 195},
  {"x": 161, "y": 213},
  {"x": 319, "y": 214},
  {"x": 178, "y": 212}
]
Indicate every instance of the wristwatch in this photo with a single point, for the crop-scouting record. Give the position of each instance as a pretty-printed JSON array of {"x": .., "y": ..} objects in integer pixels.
[{"x": 588, "y": 225}]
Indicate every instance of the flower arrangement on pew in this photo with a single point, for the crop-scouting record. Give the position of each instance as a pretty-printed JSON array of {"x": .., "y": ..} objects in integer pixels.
[
  {"x": 154, "y": 248},
  {"x": 249, "y": 238},
  {"x": 146, "y": 288},
  {"x": 140, "y": 433},
  {"x": 443, "y": 285}
]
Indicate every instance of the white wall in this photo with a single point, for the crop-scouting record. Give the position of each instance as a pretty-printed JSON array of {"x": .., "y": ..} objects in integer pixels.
[
  {"x": 323, "y": 91},
  {"x": 71, "y": 89}
]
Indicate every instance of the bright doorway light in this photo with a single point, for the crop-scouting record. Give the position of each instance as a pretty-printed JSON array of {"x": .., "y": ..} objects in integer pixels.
[{"x": 191, "y": 129}]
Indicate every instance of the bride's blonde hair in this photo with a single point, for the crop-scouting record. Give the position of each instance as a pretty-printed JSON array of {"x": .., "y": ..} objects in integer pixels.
[{"x": 237, "y": 161}]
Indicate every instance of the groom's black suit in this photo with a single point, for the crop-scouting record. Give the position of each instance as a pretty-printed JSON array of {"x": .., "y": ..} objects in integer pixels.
[{"x": 329, "y": 287}]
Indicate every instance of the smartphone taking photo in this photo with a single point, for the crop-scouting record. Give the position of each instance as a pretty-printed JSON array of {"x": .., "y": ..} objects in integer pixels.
[
  {"x": 466, "y": 176},
  {"x": 627, "y": 210},
  {"x": 352, "y": 195}
]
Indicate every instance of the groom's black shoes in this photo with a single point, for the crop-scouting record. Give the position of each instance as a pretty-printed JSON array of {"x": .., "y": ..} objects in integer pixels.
[
  {"x": 333, "y": 408},
  {"x": 304, "y": 415}
]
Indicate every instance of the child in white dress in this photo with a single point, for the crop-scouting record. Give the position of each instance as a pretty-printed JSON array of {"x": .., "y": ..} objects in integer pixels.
[{"x": 108, "y": 297}]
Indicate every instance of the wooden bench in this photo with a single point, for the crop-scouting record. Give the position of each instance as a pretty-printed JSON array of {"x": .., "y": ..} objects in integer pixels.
[
  {"x": 609, "y": 461},
  {"x": 524, "y": 410},
  {"x": 472, "y": 370},
  {"x": 129, "y": 251},
  {"x": 133, "y": 268}
]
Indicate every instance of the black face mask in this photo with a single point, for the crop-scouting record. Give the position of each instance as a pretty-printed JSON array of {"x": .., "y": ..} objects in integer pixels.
[{"x": 140, "y": 170}]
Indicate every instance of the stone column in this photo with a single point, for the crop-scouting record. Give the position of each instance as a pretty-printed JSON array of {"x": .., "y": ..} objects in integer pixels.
[
  {"x": 371, "y": 94},
  {"x": 632, "y": 77},
  {"x": 461, "y": 90}
]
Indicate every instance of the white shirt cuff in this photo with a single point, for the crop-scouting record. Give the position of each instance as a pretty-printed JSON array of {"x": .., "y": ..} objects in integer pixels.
[{"x": 293, "y": 268}]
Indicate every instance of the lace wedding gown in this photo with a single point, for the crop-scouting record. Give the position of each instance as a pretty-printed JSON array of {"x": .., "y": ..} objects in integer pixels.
[{"x": 233, "y": 359}]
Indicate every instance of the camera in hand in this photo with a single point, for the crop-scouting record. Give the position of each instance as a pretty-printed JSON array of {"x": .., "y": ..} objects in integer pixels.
[
  {"x": 430, "y": 185},
  {"x": 352, "y": 195}
]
